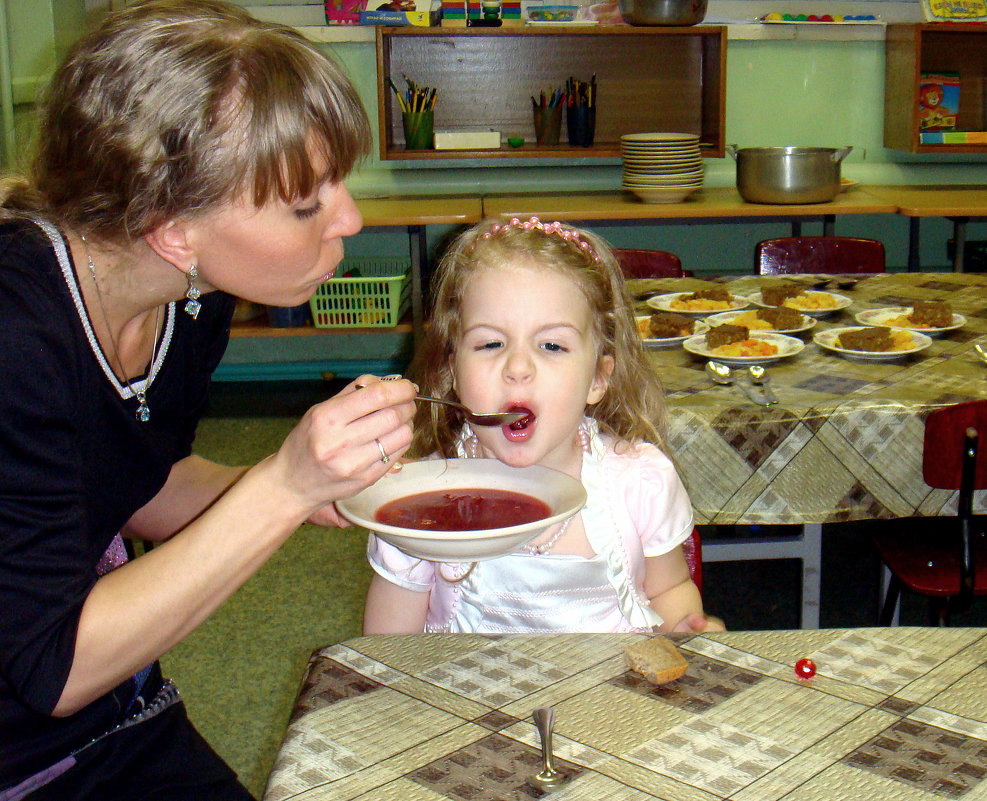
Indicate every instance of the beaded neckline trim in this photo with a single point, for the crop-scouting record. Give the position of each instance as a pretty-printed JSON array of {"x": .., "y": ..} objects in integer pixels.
[{"x": 68, "y": 273}]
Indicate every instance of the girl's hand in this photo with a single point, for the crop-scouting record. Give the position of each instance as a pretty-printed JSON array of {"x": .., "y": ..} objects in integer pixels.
[
  {"x": 338, "y": 447},
  {"x": 698, "y": 623}
]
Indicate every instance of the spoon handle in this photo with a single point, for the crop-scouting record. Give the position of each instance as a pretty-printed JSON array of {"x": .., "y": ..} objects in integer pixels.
[{"x": 453, "y": 404}]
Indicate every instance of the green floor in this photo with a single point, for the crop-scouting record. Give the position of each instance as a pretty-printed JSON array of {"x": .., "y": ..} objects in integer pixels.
[{"x": 239, "y": 672}]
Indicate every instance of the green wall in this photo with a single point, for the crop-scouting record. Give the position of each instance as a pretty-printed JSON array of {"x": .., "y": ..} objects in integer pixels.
[{"x": 790, "y": 92}]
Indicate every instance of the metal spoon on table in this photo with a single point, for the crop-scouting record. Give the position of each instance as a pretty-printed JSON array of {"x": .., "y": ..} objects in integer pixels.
[
  {"x": 759, "y": 377},
  {"x": 981, "y": 352},
  {"x": 720, "y": 374},
  {"x": 549, "y": 778}
]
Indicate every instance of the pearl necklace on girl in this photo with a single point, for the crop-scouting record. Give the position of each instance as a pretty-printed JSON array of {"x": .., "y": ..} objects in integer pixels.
[{"x": 545, "y": 547}]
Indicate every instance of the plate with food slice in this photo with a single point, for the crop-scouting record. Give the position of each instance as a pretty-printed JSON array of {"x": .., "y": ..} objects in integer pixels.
[
  {"x": 780, "y": 319},
  {"x": 928, "y": 317},
  {"x": 757, "y": 347},
  {"x": 872, "y": 343},
  {"x": 667, "y": 329},
  {"x": 814, "y": 302},
  {"x": 703, "y": 301}
]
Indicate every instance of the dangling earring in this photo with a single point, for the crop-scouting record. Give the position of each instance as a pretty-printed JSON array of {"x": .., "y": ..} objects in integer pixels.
[{"x": 193, "y": 294}]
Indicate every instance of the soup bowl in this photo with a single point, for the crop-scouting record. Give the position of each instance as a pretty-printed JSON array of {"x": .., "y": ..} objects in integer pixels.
[{"x": 563, "y": 495}]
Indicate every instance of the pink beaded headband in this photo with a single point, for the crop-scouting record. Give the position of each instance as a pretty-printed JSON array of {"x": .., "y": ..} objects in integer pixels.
[{"x": 551, "y": 229}]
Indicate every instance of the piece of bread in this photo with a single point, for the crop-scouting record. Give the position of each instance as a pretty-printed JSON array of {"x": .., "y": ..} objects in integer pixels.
[
  {"x": 781, "y": 318},
  {"x": 876, "y": 338},
  {"x": 670, "y": 324},
  {"x": 777, "y": 294},
  {"x": 655, "y": 658},
  {"x": 713, "y": 293},
  {"x": 726, "y": 334},
  {"x": 933, "y": 313}
]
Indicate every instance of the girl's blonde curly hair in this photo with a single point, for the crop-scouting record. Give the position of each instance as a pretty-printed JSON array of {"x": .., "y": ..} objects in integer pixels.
[{"x": 633, "y": 407}]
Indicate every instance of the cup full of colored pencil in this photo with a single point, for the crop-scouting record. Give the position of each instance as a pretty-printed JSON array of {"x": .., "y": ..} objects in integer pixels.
[
  {"x": 581, "y": 111},
  {"x": 417, "y": 104},
  {"x": 547, "y": 111}
]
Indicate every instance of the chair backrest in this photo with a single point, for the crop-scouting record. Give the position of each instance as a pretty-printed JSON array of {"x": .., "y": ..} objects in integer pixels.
[
  {"x": 818, "y": 254},
  {"x": 951, "y": 459},
  {"x": 649, "y": 264},
  {"x": 692, "y": 548},
  {"x": 944, "y": 447}
]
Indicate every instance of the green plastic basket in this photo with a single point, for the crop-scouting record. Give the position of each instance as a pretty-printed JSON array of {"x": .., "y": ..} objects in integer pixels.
[{"x": 376, "y": 299}]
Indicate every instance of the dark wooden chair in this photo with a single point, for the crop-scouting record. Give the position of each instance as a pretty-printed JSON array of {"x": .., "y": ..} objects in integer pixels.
[
  {"x": 944, "y": 559},
  {"x": 650, "y": 264},
  {"x": 818, "y": 254}
]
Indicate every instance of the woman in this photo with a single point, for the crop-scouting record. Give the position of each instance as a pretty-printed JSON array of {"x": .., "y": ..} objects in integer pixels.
[{"x": 188, "y": 154}]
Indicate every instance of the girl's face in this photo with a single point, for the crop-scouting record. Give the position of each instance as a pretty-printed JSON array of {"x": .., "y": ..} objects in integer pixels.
[
  {"x": 277, "y": 254},
  {"x": 527, "y": 343}
]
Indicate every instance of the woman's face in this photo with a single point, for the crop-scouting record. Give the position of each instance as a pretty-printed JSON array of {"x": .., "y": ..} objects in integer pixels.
[
  {"x": 276, "y": 254},
  {"x": 527, "y": 343}
]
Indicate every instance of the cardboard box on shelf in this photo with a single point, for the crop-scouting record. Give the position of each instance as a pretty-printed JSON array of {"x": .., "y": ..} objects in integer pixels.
[
  {"x": 344, "y": 12},
  {"x": 939, "y": 101},
  {"x": 467, "y": 140},
  {"x": 953, "y": 137},
  {"x": 426, "y": 13}
]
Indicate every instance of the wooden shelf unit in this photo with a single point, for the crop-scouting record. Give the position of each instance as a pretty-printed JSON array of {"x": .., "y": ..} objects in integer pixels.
[
  {"x": 913, "y": 49},
  {"x": 259, "y": 328},
  {"x": 648, "y": 79}
]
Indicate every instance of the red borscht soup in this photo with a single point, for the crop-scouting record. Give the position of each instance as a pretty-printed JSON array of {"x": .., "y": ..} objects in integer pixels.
[{"x": 463, "y": 510}]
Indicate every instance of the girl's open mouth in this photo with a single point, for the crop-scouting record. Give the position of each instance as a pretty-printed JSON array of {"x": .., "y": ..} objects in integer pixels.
[{"x": 512, "y": 430}]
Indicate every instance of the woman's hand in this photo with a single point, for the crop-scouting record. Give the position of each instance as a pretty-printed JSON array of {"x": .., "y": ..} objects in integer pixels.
[{"x": 339, "y": 446}]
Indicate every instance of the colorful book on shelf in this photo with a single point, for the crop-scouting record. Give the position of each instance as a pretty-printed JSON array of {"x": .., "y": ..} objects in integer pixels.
[{"x": 953, "y": 137}]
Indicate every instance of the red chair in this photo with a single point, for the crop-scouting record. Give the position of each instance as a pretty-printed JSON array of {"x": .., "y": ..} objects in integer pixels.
[
  {"x": 944, "y": 559},
  {"x": 650, "y": 264},
  {"x": 818, "y": 254},
  {"x": 693, "y": 550}
]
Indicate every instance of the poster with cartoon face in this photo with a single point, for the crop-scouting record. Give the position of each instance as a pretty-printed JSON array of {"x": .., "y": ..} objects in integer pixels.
[{"x": 939, "y": 101}]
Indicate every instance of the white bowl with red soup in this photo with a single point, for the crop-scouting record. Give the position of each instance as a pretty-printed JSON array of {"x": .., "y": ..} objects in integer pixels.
[{"x": 464, "y": 510}]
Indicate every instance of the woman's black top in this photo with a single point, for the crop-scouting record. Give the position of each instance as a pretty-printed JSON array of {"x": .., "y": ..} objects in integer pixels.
[{"x": 75, "y": 464}]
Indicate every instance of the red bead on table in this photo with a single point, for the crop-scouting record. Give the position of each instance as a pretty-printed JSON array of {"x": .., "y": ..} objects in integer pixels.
[{"x": 805, "y": 668}]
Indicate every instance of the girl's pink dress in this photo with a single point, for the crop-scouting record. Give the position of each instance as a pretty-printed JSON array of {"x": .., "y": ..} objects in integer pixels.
[{"x": 636, "y": 507}]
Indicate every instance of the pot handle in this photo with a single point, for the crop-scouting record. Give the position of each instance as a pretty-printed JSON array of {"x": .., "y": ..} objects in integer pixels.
[
  {"x": 732, "y": 150},
  {"x": 841, "y": 153}
]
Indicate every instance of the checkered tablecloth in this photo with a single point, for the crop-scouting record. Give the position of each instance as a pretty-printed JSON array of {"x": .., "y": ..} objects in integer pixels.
[
  {"x": 845, "y": 441},
  {"x": 891, "y": 714}
]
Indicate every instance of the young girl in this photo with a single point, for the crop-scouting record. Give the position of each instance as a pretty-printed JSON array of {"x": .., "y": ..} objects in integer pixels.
[{"x": 534, "y": 317}]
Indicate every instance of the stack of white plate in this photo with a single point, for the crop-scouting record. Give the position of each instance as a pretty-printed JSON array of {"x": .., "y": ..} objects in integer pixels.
[{"x": 661, "y": 167}]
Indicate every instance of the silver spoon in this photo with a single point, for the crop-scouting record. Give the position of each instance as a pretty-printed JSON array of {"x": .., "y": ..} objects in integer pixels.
[
  {"x": 720, "y": 374},
  {"x": 476, "y": 418},
  {"x": 759, "y": 377},
  {"x": 488, "y": 419},
  {"x": 549, "y": 778},
  {"x": 981, "y": 351}
]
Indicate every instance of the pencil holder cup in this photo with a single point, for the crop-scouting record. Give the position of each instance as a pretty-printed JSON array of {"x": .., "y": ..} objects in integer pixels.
[
  {"x": 548, "y": 124},
  {"x": 581, "y": 123},
  {"x": 418, "y": 127}
]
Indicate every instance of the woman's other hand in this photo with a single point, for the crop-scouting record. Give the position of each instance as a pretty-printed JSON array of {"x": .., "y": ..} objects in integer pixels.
[{"x": 346, "y": 443}]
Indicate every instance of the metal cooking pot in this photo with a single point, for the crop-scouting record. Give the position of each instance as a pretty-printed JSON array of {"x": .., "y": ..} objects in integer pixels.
[
  {"x": 662, "y": 12},
  {"x": 788, "y": 174}
]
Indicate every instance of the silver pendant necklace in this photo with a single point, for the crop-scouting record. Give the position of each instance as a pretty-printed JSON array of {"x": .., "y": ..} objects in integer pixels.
[{"x": 143, "y": 413}]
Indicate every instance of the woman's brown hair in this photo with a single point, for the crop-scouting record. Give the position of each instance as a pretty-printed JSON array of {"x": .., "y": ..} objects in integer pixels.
[{"x": 171, "y": 107}]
